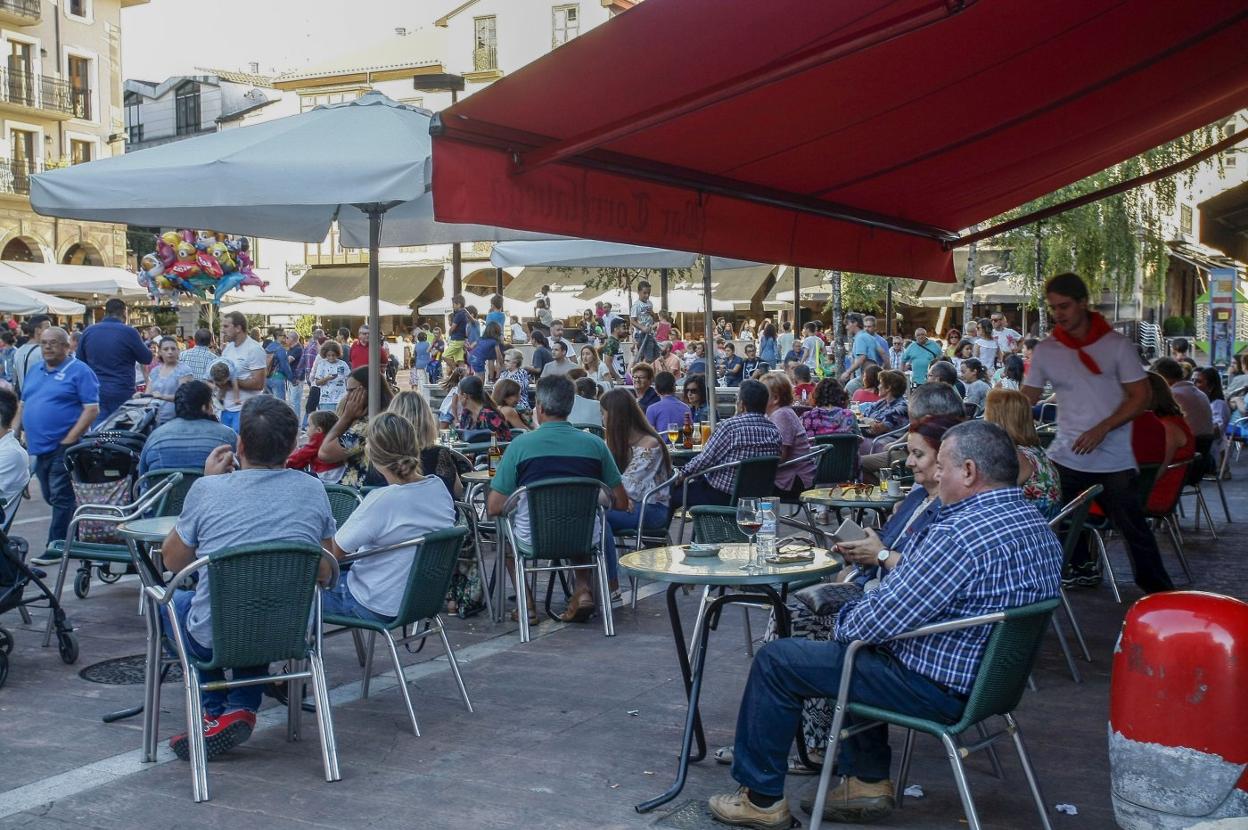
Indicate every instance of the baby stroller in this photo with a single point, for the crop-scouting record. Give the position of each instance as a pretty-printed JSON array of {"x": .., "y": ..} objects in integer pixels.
[
  {"x": 103, "y": 469},
  {"x": 15, "y": 575}
]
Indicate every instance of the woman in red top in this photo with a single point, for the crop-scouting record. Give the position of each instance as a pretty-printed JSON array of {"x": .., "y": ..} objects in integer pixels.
[{"x": 1160, "y": 435}]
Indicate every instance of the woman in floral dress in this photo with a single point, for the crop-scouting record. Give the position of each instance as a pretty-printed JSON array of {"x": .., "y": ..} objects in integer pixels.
[{"x": 1037, "y": 476}]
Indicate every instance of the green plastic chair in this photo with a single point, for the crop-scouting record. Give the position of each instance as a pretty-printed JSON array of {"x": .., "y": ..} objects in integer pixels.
[
  {"x": 262, "y": 598},
  {"x": 1097, "y": 525},
  {"x": 563, "y": 513},
  {"x": 1003, "y": 671},
  {"x": 171, "y": 504},
  {"x": 1069, "y": 524},
  {"x": 715, "y": 525},
  {"x": 592, "y": 429},
  {"x": 424, "y": 596},
  {"x": 839, "y": 464},
  {"x": 342, "y": 501},
  {"x": 753, "y": 478}
]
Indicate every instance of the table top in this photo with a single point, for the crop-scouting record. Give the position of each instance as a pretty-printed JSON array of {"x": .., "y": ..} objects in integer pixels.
[
  {"x": 850, "y": 497},
  {"x": 148, "y": 530},
  {"x": 681, "y": 452},
  {"x": 670, "y": 564},
  {"x": 476, "y": 476}
]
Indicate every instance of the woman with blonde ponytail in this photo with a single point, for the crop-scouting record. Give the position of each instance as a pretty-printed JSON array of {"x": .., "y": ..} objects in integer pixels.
[{"x": 412, "y": 506}]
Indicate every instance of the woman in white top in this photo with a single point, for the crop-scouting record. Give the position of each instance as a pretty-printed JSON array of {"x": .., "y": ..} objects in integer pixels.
[
  {"x": 1011, "y": 374},
  {"x": 643, "y": 463},
  {"x": 985, "y": 346},
  {"x": 594, "y": 368},
  {"x": 411, "y": 506},
  {"x": 975, "y": 378}
]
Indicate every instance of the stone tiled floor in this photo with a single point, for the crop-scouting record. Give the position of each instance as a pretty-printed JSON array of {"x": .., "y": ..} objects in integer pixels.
[{"x": 570, "y": 730}]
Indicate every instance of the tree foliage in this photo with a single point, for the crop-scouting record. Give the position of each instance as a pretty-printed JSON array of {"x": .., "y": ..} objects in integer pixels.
[{"x": 868, "y": 294}]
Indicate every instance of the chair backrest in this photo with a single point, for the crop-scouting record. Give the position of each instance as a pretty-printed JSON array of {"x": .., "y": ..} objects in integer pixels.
[
  {"x": 430, "y": 576},
  {"x": 755, "y": 477},
  {"x": 1182, "y": 469},
  {"x": 1068, "y": 524},
  {"x": 563, "y": 513},
  {"x": 262, "y": 597},
  {"x": 715, "y": 525},
  {"x": 837, "y": 465},
  {"x": 1007, "y": 661},
  {"x": 342, "y": 501},
  {"x": 592, "y": 429},
  {"x": 171, "y": 503}
]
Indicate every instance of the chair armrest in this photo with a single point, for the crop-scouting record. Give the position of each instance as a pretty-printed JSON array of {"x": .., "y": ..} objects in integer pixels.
[
  {"x": 818, "y": 451},
  {"x": 645, "y": 500},
  {"x": 358, "y": 555},
  {"x": 163, "y": 595}
]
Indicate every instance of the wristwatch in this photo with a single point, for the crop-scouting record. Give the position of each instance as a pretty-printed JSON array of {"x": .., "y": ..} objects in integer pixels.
[{"x": 883, "y": 556}]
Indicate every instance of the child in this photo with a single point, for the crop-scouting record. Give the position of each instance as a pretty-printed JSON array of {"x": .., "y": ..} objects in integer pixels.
[
  {"x": 331, "y": 375},
  {"x": 803, "y": 389},
  {"x": 224, "y": 375},
  {"x": 305, "y": 458},
  {"x": 420, "y": 367},
  {"x": 663, "y": 331}
]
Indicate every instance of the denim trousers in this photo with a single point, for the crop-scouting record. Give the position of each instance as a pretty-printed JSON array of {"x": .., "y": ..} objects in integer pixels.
[
  {"x": 700, "y": 493},
  {"x": 276, "y": 386},
  {"x": 1123, "y": 504},
  {"x": 339, "y": 600},
  {"x": 786, "y": 672},
  {"x": 220, "y": 702},
  {"x": 617, "y": 520},
  {"x": 294, "y": 396},
  {"x": 58, "y": 492},
  {"x": 230, "y": 419}
]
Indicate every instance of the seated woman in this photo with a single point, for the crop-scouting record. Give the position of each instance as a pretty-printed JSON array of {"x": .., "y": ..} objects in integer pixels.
[
  {"x": 643, "y": 462},
  {"x": 1162, "y": 436},
  {"x": 347, "y": 442},
  {"x": 1037, "y": 476},
  {"x": 185, "y": 442},
  {"x": 831, "y": 414},
  {"x": 478, "y": 411},
  {"x": 507, "y": 396},
  {"x": 813, "y": 610},
  {"x": 513, "y": 370},
  {"x": 869, "y": 392},
  {"x": 412, "y": 506},
  {"x": 1208, "y": 380},
  {"x": 889, "y": 413},
  {"x": 695, "y": 397},
  {"x": 794, "y": 443}
]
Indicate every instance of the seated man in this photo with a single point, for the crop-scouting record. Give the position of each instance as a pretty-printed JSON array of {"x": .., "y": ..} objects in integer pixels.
[
  {"x": 988, "y": 549},
  {"x": 668, "y": 409},
  {"x": 215, "y": 517},
  {"x": 748, "y": 434},
  {"x": 554, "y": 450},
  {"x": 186, "y": 440}
]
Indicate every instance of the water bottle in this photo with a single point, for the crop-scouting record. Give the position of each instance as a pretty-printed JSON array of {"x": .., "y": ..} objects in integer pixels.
[{"x": 766, "y": 539}]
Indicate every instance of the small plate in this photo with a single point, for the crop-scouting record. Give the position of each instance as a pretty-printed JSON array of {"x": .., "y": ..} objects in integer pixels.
[{"x": 697, "y": 550}]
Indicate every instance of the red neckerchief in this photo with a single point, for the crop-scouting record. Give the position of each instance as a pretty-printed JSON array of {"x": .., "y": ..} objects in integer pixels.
[{"x": 1097, "y": 328}]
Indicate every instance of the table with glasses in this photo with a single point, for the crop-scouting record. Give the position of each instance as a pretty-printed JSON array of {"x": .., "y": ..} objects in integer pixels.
[
  {"x": 857, "y": 498},
  {"x": 675, "y": 566},
  {"x": 477, "y": 482}
]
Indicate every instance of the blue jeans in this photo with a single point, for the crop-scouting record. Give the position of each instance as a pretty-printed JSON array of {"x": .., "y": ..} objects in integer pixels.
[
  {"x": 785, "y": 672},
  {"x": 110, "y": 402},
  {"x": 342, "y": 602},
  {"x": 617, "y": 520},
  {"x": 230, "y": 419},
  {"x": 294, "y": 396},
  {"x": 57, "y": 491},
  {"x": 276, "y": 386},
  {"x": 700, "y": 493},
  {"x": 216, "y": 703}
]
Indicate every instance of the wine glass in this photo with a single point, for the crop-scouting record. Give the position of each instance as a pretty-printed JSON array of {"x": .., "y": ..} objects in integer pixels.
[{"x": 750, "y": 521}]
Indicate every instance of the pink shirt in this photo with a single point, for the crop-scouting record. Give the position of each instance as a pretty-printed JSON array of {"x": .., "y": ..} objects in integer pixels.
[{"x": 793, "y": 437}]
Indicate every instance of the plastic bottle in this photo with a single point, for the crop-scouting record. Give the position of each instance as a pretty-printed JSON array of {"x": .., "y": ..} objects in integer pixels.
[{"x": 766, "y": 539}]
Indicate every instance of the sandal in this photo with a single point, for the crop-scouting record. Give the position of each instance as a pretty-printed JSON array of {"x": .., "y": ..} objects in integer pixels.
[
  {"x": 579, "y": 609},
  {"x": 533, "y": 618}
]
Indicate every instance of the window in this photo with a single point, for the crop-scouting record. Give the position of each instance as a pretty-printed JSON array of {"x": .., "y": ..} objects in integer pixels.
[
  {"x": 21, "y": 73},
  {"x": 24, "y": 158},
  {"x": 1185, "y": 218},
  {"x": 187, "y": 105},
  {"x": 78, "y": 8},
  {"x": 79, "y": 151},
  {"x": 80, "y": 86},
  {"x": 134, "y": 119},
  {"x": 310, "y": 102},
  {"x": 566, "y": 24},
  {"x": 485, "y": 38},
  {"x": 331, "y": 252},
  {"x": 1228, "y": 158}
]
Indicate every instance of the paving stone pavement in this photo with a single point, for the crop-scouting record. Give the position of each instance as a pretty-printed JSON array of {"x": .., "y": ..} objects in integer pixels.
[{"x": 552, "y": 743}]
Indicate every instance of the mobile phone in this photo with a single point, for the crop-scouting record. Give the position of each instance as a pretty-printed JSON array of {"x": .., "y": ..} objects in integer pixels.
[{"x": 849, "y": 531}]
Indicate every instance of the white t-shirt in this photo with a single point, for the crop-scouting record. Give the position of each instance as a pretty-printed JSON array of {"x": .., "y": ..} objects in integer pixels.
[
  {"x": 14, "y": 472},
  {"x": 1085, "y": 399},
  {"x": 784, "y": 343},
  {"x": 247, "y": 358},
  {"x": 387, "y": 516},
  {"x": 986, "y": 349},
  {"x": 333, "y": 391},
  {"x": 810, "y": 351},
  {"x": 585, "y": 411},
  {"x": 1007, "y": 339}
]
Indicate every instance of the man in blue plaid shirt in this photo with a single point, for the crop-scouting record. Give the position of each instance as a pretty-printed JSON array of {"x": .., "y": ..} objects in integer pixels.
[{"x": 987, "y": 550}]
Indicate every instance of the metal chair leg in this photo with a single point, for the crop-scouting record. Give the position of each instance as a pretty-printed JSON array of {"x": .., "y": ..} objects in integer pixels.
[
  {"x": 1074, "y": 624},
  {"x": 398, "y": 673},
  {"x": 368, "y": 663},
  {"x": 1203, "y": 506},
  {"x": 1070, "y": 660},
  {"x": 829, "y": 761},
  {"x": 1033, "y": 783},
  {"x": 450, "y": 658},
  {"x": 25, "y": 612},
  {"x": 632, "y": 589},
  {"x": 959, "y": 776},
  {"x": 325, "y": 718},
  {"x": 997, "y": 771},
  {"x": 903, "y": 774},
  {"x": 604, "y": 596},
  {"x": 749, "y": 634},
  {"x": 1178, "y": 547},
  {"x": 1106, "y": 565},
  {"x": 60, "y": 586},
  {"x": 698, "y": 621},
  {"x": 357, "y": 637},
  {"x": 522, "y": 600},
  {"x": 195, "y": 734}
]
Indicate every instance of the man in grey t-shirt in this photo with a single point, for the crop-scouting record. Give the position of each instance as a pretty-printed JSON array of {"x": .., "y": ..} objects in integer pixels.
[{"x": 222, "y": 510}]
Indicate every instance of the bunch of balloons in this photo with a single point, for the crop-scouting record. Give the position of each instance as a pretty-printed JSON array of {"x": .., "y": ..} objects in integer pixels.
[{"x": 197, "y": 262}]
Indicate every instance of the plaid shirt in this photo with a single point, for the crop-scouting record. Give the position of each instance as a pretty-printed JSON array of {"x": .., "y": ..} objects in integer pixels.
[
  {"x": 198, "y": 359},
  {"x": 988, "y": 552},
  {"x": 743, "y": 436}
]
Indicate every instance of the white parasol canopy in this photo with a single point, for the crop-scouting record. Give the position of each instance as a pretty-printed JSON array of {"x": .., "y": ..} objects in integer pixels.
[{"x": 16, "y": 299}]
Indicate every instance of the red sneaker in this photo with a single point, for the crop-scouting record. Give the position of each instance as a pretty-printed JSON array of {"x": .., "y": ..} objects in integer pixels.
[{"x": 221, "y": 734}]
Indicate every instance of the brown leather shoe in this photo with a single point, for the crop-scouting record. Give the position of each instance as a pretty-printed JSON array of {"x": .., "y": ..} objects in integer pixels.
[
  {"x": 580, "y": 608},
  {"x": 736, "y": 808},
  {"x": 853, "y": 801}
]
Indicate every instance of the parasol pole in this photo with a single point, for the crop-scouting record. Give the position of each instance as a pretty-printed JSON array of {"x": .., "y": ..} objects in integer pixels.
[{"x": 708, "y": 332}]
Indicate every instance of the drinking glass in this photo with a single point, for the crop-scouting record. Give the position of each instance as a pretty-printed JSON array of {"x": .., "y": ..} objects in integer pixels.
[
  {"x": 749, "y": 520},
  {"x": 697, "y": 436},
  {"x": 673, "y": 433}
]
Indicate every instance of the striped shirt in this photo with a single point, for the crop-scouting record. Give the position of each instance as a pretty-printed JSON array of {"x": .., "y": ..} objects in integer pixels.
[
  {"x": 986, "y": 553},
  {"x": 743, "y": 436}
]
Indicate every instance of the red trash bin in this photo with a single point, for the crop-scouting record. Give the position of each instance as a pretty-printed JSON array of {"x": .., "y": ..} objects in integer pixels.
[{"x": 1178, "y": 715}]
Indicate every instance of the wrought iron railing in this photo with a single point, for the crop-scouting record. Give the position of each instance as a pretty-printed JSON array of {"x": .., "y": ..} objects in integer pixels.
[
  {"x": 484, "y": 58},
  {"x": 25, "y": 8},
  {"x": 41, "y": 92},
  {"x": 15, "y": 175}
]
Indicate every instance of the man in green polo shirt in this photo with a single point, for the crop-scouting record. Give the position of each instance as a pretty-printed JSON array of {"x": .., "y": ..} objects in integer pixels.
[{"x": 555, "y": 450}]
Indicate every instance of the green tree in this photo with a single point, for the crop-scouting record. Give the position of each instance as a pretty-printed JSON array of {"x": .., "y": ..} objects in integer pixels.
[{"x": 305, "y": 324}]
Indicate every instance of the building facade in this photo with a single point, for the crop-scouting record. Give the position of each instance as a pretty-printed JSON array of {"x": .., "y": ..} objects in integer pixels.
[{"x": 60, "y": 104}]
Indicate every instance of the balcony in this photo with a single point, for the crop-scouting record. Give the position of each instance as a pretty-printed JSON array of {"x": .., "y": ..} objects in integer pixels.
[
  {"x": 21, "y": 12},
  {"x": 30, "y": 94},
  {"x": 15, "y": 176}
]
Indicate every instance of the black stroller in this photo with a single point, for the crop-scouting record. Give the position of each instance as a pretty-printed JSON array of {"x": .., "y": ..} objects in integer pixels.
[
  {"x": 103, "y": 469},
  {"x": 15, "y": 576}
]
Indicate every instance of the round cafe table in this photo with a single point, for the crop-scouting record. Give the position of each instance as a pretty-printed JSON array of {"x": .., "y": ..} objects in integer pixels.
[
  {"x": 857, "y": 498},
  {"x": 674, "y": 566}
]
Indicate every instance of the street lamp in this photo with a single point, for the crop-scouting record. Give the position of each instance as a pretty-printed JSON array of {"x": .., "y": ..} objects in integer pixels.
[{"x": 447, "y": 82}]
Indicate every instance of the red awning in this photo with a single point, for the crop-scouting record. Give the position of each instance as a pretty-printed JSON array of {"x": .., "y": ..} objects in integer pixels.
[{"x": 855, "y": 134}]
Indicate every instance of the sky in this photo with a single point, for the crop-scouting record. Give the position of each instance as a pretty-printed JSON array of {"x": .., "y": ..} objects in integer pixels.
[{"x": 280, "y": 35}]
